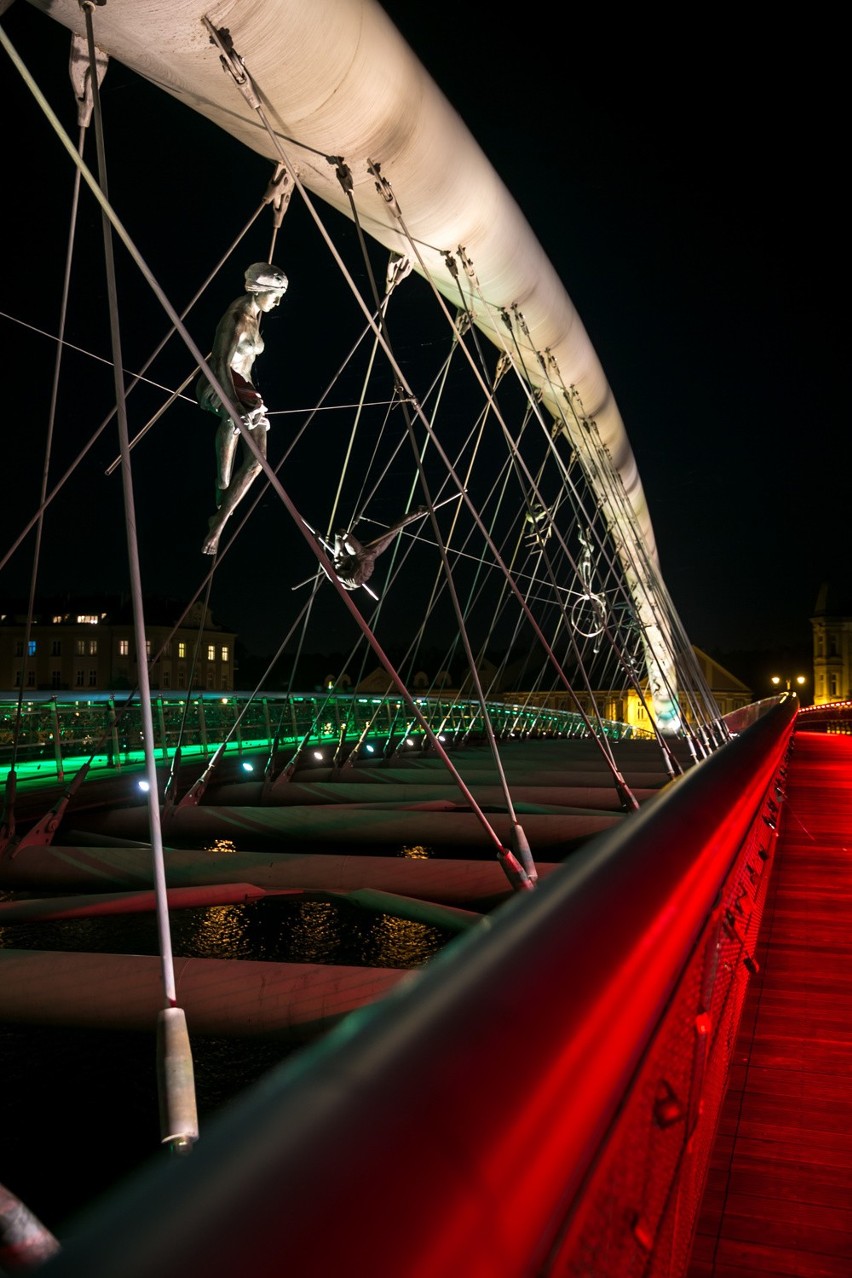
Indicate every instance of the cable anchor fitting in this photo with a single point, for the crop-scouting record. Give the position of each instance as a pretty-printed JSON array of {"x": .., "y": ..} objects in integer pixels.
[
  {"x": 503, "y": 366},
  {"x": 384, "y": 187},
  {"x": 342, "y": 172},
  {"x": 233, "y": 63},
  {"x": 522, "y": 323},
  {"x": 398, "y": 269},
  {"x": 467, "y": 265},
  {"x": 463, "y": 323},
  {"x": 80, "y": 71},
  {"x": 450, "y": 263},
  {"x": 279, "y": 191}
]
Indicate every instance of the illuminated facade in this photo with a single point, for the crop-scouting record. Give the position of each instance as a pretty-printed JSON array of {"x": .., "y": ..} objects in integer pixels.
[
  {"x": 90, "y": 646},
  {"x": 620, "y": 705},
  {"x": 832, "y": 637},
  {"x": 723, "y": 688}
]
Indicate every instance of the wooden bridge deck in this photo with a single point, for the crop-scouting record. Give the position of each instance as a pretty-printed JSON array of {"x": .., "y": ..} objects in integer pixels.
[{"x": 779, "y": 1195}]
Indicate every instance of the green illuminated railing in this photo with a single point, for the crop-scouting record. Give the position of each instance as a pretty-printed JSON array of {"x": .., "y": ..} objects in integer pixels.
[{"x": 54, "y": 733}]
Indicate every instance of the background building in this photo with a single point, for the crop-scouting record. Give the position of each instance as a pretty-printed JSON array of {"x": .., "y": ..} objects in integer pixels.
[
  {"x": 832, "y": 636},
  {"x": 88, "y": 645},
  {"x": 621, "y": 705}
]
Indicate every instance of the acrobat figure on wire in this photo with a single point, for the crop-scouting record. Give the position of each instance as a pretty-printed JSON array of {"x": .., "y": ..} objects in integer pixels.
[
  {"x": 354, "y": 563},
  {"x": 538, "y": 517},
  {"x": 236, "y": 345}
]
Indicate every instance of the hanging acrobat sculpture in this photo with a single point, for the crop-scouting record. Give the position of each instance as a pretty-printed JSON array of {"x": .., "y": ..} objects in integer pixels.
[
  {"x": 353, "y": 562},
  {"x": 589, "y": 611},
  {"x": 538, "y": 517},
  {"x": 236, "y": 345}
]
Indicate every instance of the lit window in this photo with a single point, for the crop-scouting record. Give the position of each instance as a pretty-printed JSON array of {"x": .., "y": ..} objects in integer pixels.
[
  {"x": 87, "y": 619},
  {"x": 124, "y": 647},
  {"x": 147, "y": 647},
  {"x": 31, "y": 648},
  {"x": 93, "y": 647},
  {"x": 211, "y": 652},
  {"x": 181, "y": 648},
  {"x": 80, "y": 646},
  {"x": 57, "y": 621},
  {"x": 224, "y": 652}
]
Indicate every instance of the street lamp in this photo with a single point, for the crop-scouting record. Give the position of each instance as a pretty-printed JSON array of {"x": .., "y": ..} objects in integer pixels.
[{"x": 788, "y": 680}]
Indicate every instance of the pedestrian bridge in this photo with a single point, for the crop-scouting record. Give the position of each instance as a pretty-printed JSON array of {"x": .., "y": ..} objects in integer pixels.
[
  {"x": 588, "y": 1076},
  {"x": 635, "y": 1067}
]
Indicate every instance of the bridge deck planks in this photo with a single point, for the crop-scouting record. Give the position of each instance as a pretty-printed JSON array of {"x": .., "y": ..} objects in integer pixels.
[{"x": 778, "y": 1200}]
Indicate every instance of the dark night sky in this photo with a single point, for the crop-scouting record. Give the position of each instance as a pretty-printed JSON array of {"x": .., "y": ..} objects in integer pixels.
[{"x": 689, "y": 195}]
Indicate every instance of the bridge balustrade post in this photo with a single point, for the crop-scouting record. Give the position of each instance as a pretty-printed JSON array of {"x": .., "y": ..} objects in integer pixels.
[{"x": 57, "y": 742}]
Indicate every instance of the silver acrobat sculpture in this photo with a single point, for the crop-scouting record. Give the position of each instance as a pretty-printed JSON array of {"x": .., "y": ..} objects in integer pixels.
[{"x": 236, "y": 345}]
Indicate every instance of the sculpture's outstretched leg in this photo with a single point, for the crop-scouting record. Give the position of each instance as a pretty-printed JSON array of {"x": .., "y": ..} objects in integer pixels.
[
  {"x": 231, "y": 498},
  {"x": 381, "y": 543}
]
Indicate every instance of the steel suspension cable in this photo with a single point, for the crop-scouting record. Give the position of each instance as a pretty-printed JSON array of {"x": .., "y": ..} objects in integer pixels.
[
  {"x": 671, "y": 762},
  {"x": 520, "y": 845},
  {"x": 179, "y": 1117},
  {"x": 608, "y": 477},
  {"x": 619, "y": 780},
  {"x": 84, "y": 115}
]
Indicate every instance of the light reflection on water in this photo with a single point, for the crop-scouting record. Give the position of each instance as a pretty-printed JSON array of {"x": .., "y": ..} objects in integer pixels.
[
  {"x": 218, "y": 932},
  {"x": 394, "y": 942},
  {"x": 284, "y": 929},
  {"x": 315, "y": 931}
]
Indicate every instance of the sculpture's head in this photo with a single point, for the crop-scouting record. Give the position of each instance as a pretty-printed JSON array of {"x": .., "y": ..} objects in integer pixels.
[{"x": 263, "y": 277}]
